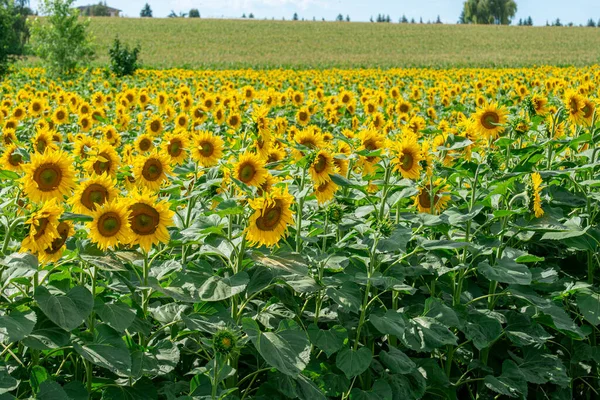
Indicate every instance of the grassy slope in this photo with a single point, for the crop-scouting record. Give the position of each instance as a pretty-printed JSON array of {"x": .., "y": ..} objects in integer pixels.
[{"x": 247, "y": 43}]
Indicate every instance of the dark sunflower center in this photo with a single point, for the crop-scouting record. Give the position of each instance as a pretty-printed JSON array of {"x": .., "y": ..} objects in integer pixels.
[
  {"x": 145, "y": 144},
  {"x": 573, "y": 105},
  {"x": 269, "y": 219},
  {"x": 109, "y": 224},
  {"x": 48, "y": 177},
  {"x": 182, "y": 121},
  {"x": 152, "y": 170},
  {"x": 303, "y": 116},
  {"x": 407, "y": 161},
  {"x": 320, "y": 163},
  {"x": 489, "y": 120},
  {"x": 100, "y": 166},
  {"x": 15, "y": 159},
  {"x": 206, "y": 149},
  {"x": 144, "y": 219},
  {"x": 587, "y": 111},
  {"x": 175, "y": 148},
  {"x": 40, "y": 228},
  {"x": 36, "y": 107},
  {"x": 247, "y": 172},
  {"x": 40, "y": 145},
  {"x": 60, "y": 115},
  {"x": 94, "y": 194},
  {"x": 57, "y": 244},
  {"x": 233, "y": 120},
  {"x": 323, "y": 187},
  {"x": 403, "y": 108},
  {"x": 155, "y": 125}
]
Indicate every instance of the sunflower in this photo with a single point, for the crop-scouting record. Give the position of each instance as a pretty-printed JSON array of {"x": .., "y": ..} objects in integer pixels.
[
  {"x": 54, "y": 252},
  {"x": 539, "y": 104},
  {"x": 250, "y": 169},
  {"x": 36, "y": 107},
  {"x": 93, "y": 192},
  {"x": 536, "y": 181},
  {"x": 83, "y": 145},
  {"x": 49, "y": 175},
  {"x": 588, "y": 111},
  {"x": 19, "y": 113},
  {"x": 234, "y": 121},
  {"x": 489, "y": 120},
  {"x": 303, "y": 116},
  {"x": 219, "y": 115},
  {"x": 574, "y": 104},
  {"x": 182, "y": 121},
  {"x": 85, "y": 123},
  {"x": 12, "y": 159},
  {"x": 42, "y": 227},
  {"x": 325, "y": 191},
  {"x": 207, "y": 148},
  {"x": 440, "y": 198},
  {"x": 149, "y": 219},
  {"x": 271, "y": 218},
  {"x": 274, "y": 155},
  {"x": 42, "y": 141},
  {"x": 175, "y": 145},
  {"x": 105, "y": 159},
  {"x": 9, "y": 137},
  {"x": 60, "y": 115},
  {"x": 111, "y": 135},
  {"x": 154, "y": 126},
  {"x": 322, "y": 167},
  {"x": 407, "y": 157},
  {"x": 110, "y": 225},
  {"x": 144, "y": 143},
  {"x": 151, "y": 171}
]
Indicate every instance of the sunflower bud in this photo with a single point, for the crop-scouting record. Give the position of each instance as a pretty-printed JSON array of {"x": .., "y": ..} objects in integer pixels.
[
  {"x": 335, "y": 212},
  {"x": 224, "y": 341}
]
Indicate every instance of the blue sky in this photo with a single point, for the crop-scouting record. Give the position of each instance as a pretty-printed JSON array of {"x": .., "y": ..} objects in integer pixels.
[{"x": 576, "y": 11}]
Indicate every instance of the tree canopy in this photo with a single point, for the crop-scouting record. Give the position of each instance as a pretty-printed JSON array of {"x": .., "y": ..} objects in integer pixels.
[{"x": 498, "y": 12}]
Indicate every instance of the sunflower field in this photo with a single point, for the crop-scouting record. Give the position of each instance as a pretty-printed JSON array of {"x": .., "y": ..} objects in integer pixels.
[{"x": 300, "y": 234}]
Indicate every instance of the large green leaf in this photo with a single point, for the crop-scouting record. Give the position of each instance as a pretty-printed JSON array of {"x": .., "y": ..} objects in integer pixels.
[
  {"x": 397, "y": 362},
  {"x": 50, "y": 390},
  {"x": 7, "y": 382},
  {"x": 288, "y": 349},
  {"x": 482, "y": 329},
  {"x": 347, "y": 296},
  {"x": 426, "y": 334},
  {"x": 330, "y": 341},
  {"x": 506, "y": 271},
  {"x": 589, "y": 305},
  {"x": 116, "y": 314},
  {"x": 217, "y": 288},
  {"x": 539, "y": 367},
  {"x": 407, "y": 387},
  {"x": 353, "y": 362},
  {"x": 16, "y": 326},
  {"x": 67, "y": 311},
  {"x": 107, "y": 350},
  {"x": 46, "y": 335},
  {"x": 159, "y": 359},
  {"x": 381, "y": 390},
  {"x": 511, "y": 383},
  {"x": 142, "y": 390},
  {"x": 392, "y": 323}
]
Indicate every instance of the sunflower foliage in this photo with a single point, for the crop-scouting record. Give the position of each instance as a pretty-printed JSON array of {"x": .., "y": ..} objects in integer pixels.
[{"x": 360, "y": 234}]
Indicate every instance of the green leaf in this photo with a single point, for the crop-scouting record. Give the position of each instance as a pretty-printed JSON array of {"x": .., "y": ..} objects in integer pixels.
[
  {"x": 142, "y": 390},
  {"x": 68, "y": 311},
  {"x": 392, "y": 323},
  {"x": 117, "y": 315},
  {"x": 37, "y": 376},
  {"x": 589, "y": 305},
  {"x": 76, "y": 391},
  {"x": 381, "y": 390},
  {"x": 330, "y": 341},
  {"x": 7, "y": 382},
  {"x": 539, "y": 368},
  {"x": 108, "y": 350},
  {"x": 407, "y": 387},
  {"x": 217, "y": 288},
  {"x": 444, "y": 245},
  {"x": 506, "y": 271},
  {"x": 307, "y": 390},
  {"x": 482, "y": 329},
  {"x": 287, "y": 350},
  {"x": 160, "y": 359},
  {"x": 46, "y": 335},
  {"x": 425, "y": 334},
  {"x": 511, "y": 383},
  {"x": 397, "y": 362},
  {"x": 16, "y": 326},
  {"x": 50, "y": 390},
  {"x": 353, "y": 362},
  {"x": 347, "y": 296},
  {"x": 522, "y": 331}
]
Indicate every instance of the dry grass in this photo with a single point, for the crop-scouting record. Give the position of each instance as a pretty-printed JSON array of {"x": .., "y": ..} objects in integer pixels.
[{"x": 268, "y": 44}]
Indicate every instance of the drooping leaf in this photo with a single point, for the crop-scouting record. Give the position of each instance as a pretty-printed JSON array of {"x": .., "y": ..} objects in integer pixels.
[
  {"x": 353, "y": 362},
  {"x": 347, "y": 296},
  {"x": 392, "y": 323},
  {"x": 288, "y": 350},
  {"x": 425, "y": 334},
  {"x": 217, "y": 288},
  {"x": 589, "y": 305},
  {"x": 397, "y": 362},
  {"x": 506, "y": 271},
  {"x": 117, "y": 315},
  {"x": 407, "y": 387},
  {"x": 381, "y": 390},
  {"x": 511, "y": 383},
  {"x": 67, "y": 311},
  {"x": 330, "y": 341},
  {"x": 50, "y": 390},
  {"x": 16, "y": 326},
  {"x": 107, "y": 350},
  {"x": 482, "y": 329}
]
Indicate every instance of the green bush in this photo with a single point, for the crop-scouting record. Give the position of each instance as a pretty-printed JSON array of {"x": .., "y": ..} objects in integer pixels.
[
  {"x": 13, "y": 31},
  {"x": 123, "y": 60},
  {"x": 62, "y": 40}
]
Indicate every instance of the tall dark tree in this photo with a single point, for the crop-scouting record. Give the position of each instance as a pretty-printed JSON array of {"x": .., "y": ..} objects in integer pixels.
[
  {"x": 295, "y": 17},
  {"x": 591, "y": 23},
  {"x": 499, "y": 12},
  {"x": 339, "y": 18},
  {"x": 194, "y": 13},
  {"x": 146, "y": 11},
  {"x": 347, "y": 18},
  {"x": 529, "y": 21}
]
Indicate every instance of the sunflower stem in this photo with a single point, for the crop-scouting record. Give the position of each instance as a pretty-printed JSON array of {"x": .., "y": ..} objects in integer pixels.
[
  {"x": 299, "y": 210},
  {"x": 9, "y": 231}
]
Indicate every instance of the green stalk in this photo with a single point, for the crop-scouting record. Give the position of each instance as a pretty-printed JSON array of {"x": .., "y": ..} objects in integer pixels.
[
  {"x": 299, "y": 212},
  {"x": 9, "y": 231},
  {"x": 370, "y": 271}
]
